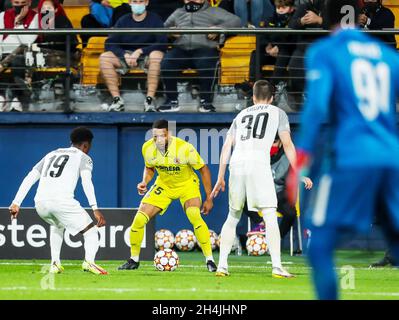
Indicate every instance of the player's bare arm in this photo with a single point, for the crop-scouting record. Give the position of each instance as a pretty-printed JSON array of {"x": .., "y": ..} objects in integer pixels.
[
  {"x": 148, "y": 174},
  {"x": 207, "y": 182},
  {"x": 32, "y": 177},
  {"x": 224, "y": 160},
  {"x": 289, "y": 148},
  {"x": 99, "y": 217}
]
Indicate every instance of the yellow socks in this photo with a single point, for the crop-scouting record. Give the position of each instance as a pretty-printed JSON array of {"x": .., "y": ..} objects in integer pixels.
[
  {"x": 201, "y": 231},
  {"x": 137, "y": 232}
]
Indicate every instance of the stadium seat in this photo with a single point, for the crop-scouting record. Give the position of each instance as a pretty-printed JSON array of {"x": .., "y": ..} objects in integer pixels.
[
  {"x": 91, "y": 64},
  {"x": 76, "y": 13},
  {"x": 234, "y": 61},
  {"x": 90, "y": 61},
  {"x": 394, "y": 6}
]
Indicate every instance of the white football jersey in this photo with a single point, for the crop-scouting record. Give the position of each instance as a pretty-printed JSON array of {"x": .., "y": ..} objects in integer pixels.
[
  {"x": 59, "y": 173},
  {"x": 253, "y": 131}
]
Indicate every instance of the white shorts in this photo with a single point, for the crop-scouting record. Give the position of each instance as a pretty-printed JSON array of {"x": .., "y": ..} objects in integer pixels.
[
  {"x": 69, "y": 215},
  {"x": 254, "y": 184}
]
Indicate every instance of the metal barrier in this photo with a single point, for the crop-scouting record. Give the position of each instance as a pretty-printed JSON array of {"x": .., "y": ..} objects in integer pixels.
[{"x": 235, "y": 73}]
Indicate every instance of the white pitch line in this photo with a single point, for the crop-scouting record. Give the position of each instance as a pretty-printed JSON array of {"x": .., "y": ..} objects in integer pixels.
[
  {"x": 248, "y": 291},
  {"x": 249, "y": 266},
  {"x": 122, "y": 290}
]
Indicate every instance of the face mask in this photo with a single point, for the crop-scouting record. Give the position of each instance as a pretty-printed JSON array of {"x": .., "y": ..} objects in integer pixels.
[
  {"x": 274, "y": 150},
  {"x": 18, "y": 9},
  {"x": 138, "y": 8},
  {"x": 193, "y": 6}
]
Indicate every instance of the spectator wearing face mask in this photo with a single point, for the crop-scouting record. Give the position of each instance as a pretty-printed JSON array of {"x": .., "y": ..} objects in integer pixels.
[
  {"x": 375, "y": 16},
  {"x": 199, "y": 51},
  {"x": 20, "y": 16},
  {"x": 126, "y": 51}
]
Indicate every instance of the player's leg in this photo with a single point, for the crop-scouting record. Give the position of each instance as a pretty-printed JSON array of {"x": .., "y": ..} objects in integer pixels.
[
  {"x": 273, "y": 241},
  {"x": 56, "y": 236},
  {"x": 321, "y": 258},
  {"x": 76, "y": 220},
  {"x": 91, "y": 246},
  {"x": 327, "y": 211},
  {"x": 227, "y": 237},
  {"x": 389, "y": 212},
  {"x": 56, "y": 240},
  {"x": 155, "y": 201},
  {"x": 338, "y": 205},
  {"x": 192, "y": 208},
  {"x": 237, "y": 198},
  {"x": 145, "y": 213}
]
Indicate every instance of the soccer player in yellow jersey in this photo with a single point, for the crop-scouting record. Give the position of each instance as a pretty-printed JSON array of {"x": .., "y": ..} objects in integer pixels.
[{"x": 175, "y": 161}]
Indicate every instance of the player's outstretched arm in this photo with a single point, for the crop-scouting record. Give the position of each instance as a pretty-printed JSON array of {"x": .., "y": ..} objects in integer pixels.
[
  {"x": 207, "y": 182},
  {"x": 88, "y": 189},
  {"x": 224, "y": 160},
  {"x": 148, "y": 174},
  {"x": 32, "y": 177},
  {"x": 289, "y": 148}
]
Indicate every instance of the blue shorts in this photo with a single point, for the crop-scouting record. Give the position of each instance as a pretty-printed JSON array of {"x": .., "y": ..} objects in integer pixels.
[{"x": 350, "y": 199}]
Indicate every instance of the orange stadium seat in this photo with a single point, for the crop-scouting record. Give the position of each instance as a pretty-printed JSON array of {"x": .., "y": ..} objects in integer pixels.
[
  {"x": 234, "y": 59},
  {"x": 90, "y": 60},
  {"x": 394, "y": 6},
  {"x": 76, "y": 13}
]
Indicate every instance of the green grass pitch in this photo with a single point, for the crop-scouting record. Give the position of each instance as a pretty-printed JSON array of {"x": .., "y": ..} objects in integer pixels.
[{"x": 250, "y": 279}]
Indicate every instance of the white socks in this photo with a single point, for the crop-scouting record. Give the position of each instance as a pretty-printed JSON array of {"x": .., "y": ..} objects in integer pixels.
[
  {"x": 56, "y": 240},
  {"x": 135, "y": 258},
  {"x": 227, "y": 236},
  {"x": 92, "y": 244},
  {"x": 273, "y": 239}
]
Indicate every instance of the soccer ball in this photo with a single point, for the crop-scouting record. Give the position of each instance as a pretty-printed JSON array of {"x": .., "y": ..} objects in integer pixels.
[
  {"x": 166, "y": 260},
  {"x": 164, "y": 239},
  {"x": 185, "y": 240},
  {"x": 214, "y": 240},
  {"x": 256, "y": 245}
]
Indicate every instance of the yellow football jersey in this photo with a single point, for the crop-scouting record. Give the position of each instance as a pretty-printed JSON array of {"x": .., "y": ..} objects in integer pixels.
[{"x": 175, "y": 167}]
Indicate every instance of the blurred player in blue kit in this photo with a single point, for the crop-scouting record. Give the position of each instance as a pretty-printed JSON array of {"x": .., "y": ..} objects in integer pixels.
[{"x": 352, "y": 84}]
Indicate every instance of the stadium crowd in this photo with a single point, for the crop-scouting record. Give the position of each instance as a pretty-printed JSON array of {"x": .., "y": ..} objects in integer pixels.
[{"x": 162, "y": 57}]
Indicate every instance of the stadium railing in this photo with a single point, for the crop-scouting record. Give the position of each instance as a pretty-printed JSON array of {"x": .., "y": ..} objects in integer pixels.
[{"x": 234, "y": 57}]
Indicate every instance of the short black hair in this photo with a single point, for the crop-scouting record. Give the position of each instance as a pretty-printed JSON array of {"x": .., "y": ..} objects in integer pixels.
[
  {"x": 263, "y": 90},
  {"x": 335, "y": 11},
  {"x": 80, "y": 135},
  {"x": 284, "y": 3},
  {"x": 160, "y": 124}
]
